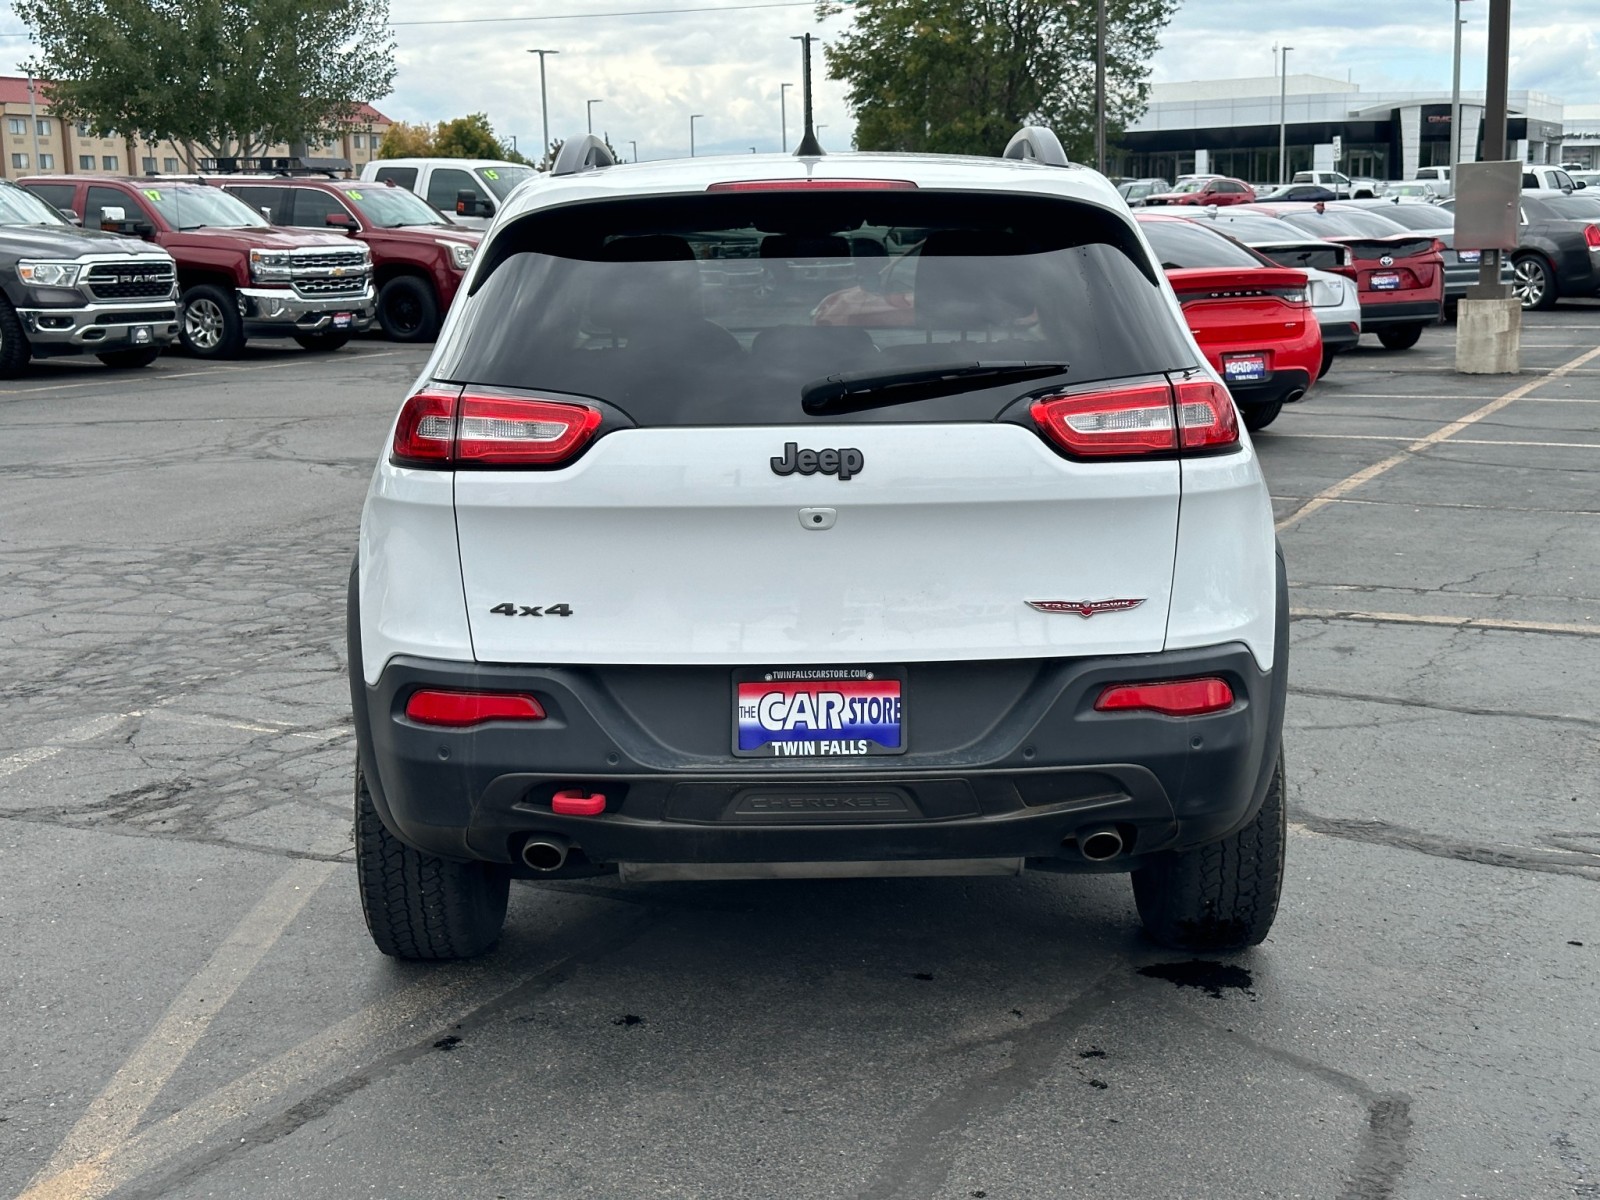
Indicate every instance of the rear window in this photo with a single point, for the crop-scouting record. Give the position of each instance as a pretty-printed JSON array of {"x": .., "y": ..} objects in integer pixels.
[
  {"x": 1418, "y": 216},
  {"x": 1557, "y": 207},
  {"x": 1342, "y": 223},
  {"x": 719, "y": 309},
  {"x": 1183, "y": 244}
]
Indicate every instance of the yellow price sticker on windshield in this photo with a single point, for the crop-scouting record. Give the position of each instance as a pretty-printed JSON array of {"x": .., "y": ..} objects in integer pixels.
[
  {"x": 354, "y": 195},
  {"x": 488, "y": 174},
  {"x": 153, "y": 194}
]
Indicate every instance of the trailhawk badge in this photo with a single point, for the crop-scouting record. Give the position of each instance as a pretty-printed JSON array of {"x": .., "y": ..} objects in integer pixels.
[{"x": 1084, "y": 608}]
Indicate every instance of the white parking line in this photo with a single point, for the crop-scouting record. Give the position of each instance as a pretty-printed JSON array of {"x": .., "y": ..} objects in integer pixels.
[
  {"x": 90, "y": 729},
  {"x": 1392, "y": 437},
  {"x": 218, "y": 369},
  {"x": 1448, "y": 622},
  {"x": 1367, "y": 474}
]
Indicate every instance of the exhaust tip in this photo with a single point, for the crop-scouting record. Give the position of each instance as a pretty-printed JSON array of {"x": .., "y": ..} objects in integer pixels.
[
  {"x": 545, "y": 852},
  {"x": 1292, "y": 397},
  {"x": 1100, "y": 845}
]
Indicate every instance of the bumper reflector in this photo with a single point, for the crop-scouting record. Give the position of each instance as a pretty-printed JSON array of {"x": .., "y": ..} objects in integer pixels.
[
  {"x": 458, "y": 709},
  {"x": 1178, "y": 698}
]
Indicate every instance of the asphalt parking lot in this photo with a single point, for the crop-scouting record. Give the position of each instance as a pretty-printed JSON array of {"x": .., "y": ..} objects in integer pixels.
[{"x": 192, "y": 1007}]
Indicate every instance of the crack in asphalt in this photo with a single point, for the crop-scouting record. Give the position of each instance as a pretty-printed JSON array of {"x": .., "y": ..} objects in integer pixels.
[
  {"x": 1576, "y": 861},
  {"x": 1469, "y": 710}
]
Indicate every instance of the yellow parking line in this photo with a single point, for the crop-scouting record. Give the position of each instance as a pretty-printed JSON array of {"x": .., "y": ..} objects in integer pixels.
[
  {"x": 1367, "y": 474},
  {"x": 78, "y": 1169},
  {"x": 1448, "y": 622}
]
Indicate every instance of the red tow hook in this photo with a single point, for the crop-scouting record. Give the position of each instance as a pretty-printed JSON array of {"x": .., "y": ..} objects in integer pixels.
[{"x": 575, "y": 802}]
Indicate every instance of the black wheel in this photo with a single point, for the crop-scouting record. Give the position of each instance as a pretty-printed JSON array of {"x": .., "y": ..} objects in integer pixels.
[
  {"x": 322, "y": 342},
  {"x": 1259, "y": 416},
  {"x": 14, "y": 348},
  {"x": 419, "y": 906},
  {"x": 130, "y": 359},
  {"x": 407, "y": 310},
  {"x": 1533, "y": 283},
  {"x": 1327, "y": 362},
  {"x": 1400, "y": 338},
  {"x": 211, "y": 326},
  {"x": 1223, "y": 896}
]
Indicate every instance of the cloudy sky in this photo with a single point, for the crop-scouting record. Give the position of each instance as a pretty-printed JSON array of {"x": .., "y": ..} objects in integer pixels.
[{"x": 652, "y": 71}]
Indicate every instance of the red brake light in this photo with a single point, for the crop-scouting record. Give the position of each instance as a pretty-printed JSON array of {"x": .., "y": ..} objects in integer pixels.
[
  {"x": 1207, "y": 419},
  {"x": 1115, "y": 423},
  {"x": 1591, "y": 235},
  {"x": 509, "y": 432},
  {"x": 458, "y": 709},
  {"x": 1178, "y": 698},
  {"x": 426, "y": 430},
  {"x": 441, "y": 427},
  {"x": 812, "y": 185}
]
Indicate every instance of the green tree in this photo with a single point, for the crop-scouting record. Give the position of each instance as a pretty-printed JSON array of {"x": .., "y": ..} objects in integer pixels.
[
  {"x": 961, "y": 76},
  {"x": 401, "y": 140},
  {"x": 229, "y": 76},
  {"x": 471, "y": 136}
]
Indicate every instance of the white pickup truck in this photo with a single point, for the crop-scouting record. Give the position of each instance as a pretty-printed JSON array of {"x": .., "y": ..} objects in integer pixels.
[{"x": 1548, "y": 179}]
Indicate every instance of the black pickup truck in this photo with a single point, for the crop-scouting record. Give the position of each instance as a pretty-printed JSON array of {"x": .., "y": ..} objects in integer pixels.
[{"x": 65, "y": 290}]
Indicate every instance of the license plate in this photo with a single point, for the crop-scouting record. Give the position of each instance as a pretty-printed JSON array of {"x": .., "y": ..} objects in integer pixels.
[
  {"x": 819, "y": 712},
  {"x": 1386, "y": 283},
  {"x": 1469, "y": 256},
  {"x": 341, "y": 320},
  {"x": 1244, "y": 368}
]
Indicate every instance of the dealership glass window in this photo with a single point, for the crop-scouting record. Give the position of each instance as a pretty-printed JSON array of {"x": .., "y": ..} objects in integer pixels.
[
  {"x": 85, "y": 162},
  {"x": 108, "y": 162},
  {"x": 47, "y": 162},
  {"x": 19, "y": 161},
  {"x": 42, "y": 126},
  {"x": 17, "y": 124},
  {"x": 147, "y": 165}
]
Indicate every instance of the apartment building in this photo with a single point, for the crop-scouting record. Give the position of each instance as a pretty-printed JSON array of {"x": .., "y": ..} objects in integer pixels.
[{"x": 38, "y": 143}]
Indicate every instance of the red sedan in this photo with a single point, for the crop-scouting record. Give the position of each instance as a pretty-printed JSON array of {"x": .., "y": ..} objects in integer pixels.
[
  {"x": 1400, "y": 273},
  {"x": 1214, "y": 190},
  {"x": 1251, "y": 317}
]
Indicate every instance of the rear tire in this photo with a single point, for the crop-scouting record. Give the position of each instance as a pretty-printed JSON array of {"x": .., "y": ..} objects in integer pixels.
[
  {"x": 1258, "y": 416},
  {"x": 1402, "y": 338},
  {"x": 127, "y": 360},
  {"x": 14, "y": 348},
  {"x": 1327, "y": 362},
  {"x": 321, "y": 343},
  {"x": 407, "y": 310},
  {"x": 1222, "y": 896},
  {"x": 419, "y": 906}
]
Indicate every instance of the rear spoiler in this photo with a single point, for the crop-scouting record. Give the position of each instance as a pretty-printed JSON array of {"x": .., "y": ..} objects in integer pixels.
[{"x": 1242, "y": 283}]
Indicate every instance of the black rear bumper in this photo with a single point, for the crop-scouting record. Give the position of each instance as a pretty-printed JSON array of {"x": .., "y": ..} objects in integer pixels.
[
  {"x": 1340, "y": 335},
  {"x": 1280, "y": 387},
  {"x": 1411, "y": 312},
  {"x": 1008, "y": 759}
]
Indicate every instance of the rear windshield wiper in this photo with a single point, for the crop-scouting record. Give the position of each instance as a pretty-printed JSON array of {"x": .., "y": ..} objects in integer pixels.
[{"x": 877, "y": 389}]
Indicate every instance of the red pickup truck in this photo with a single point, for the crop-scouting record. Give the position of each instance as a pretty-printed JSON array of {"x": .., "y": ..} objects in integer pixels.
[
  {"x": 418, "y": 256},
  {"x": 238, "y": 277}
]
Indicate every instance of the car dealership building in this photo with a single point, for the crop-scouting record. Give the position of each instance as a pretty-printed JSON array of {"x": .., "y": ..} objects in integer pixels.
[{"x": 1230, "y": 126}]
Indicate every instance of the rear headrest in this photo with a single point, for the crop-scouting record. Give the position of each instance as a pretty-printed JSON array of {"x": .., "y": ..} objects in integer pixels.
[
  {"x": 653, "y": 247},
  {"x": 972, "y": 279},
  {"x": 804, "y": 245}
]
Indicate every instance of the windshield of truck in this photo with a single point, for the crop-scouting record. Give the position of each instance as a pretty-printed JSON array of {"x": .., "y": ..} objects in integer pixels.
[
  {"x": 194, "y": 206},
  {"x": 721, "y": 309},
  {"x": 18, "y": 207},
  {"x": 391, "y": 207},
  {"x": 500, "y": 180}
]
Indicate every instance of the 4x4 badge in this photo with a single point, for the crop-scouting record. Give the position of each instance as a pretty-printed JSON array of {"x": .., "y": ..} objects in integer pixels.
[{"x": 1085, "y": 608}]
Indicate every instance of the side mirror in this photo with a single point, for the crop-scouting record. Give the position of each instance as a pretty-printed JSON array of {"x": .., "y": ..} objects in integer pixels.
[
  {"x": 115, "y": 220},
  {"x": 341, "y": 220},
  {"x": 468, "y": 204},
  {"x": 266, "y": 211}
]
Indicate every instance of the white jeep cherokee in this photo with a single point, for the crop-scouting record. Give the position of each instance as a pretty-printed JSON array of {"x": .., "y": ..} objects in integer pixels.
[{"x": 768, "y": 517}]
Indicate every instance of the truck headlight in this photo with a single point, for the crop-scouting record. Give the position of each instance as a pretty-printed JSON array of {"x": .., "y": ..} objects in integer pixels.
[
  {"x": 1325, "y": 293},
  {"x": 270, "y": 264},
  {"x": 48, "y": 274},
  {"x": 461, "y": 254}
]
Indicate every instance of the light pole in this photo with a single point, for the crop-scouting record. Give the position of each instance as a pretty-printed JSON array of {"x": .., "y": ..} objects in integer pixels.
[
  {"x": 1283, "y": 118},
  {"x": 635, "y": 146},
  {"x": 544, "y": 102},
  {"x": 693, "y": 117},
  {"x": 589, "y": 106},
  {"x": 783, "y": 112},
  {"x": 1455, "y": 103},
  {"x": 1100, "y": 86}
]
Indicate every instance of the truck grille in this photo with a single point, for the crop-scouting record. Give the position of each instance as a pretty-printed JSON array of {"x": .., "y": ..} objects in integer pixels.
[
  {"x": 330, "y": 286},
  {"x": 130, "y": 280},
  {"x": 350, "y": 260}
]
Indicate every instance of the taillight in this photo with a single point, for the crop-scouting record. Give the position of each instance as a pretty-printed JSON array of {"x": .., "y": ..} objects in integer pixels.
[
  {"x": 455, "y": 710},
  {"x": 1207, "y": 419},
  {"x": 1591, "y": 235},
  {"x": 1127, "y": 422},
  {"x": 812, "y": 185},
  {"x": 1176, "y": 698},
  {"x": 1438, "y": 246},
  {"x": 505, "y": 432},
  {"x": 1117, "y": 423},
  {"x": 442, "y": 428}
]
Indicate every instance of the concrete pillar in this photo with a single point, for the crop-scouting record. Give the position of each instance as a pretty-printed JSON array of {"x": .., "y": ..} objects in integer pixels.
[
  {"x": 1472, "y": 128},
  {"x": 1410, "y": 140},
  {"x": 1202, "y": 162},
  {"x": 1489, "y": 337}
]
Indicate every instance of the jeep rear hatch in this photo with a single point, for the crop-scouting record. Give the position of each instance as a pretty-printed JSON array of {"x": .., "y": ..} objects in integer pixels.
[{"x": 779, "y": 428}]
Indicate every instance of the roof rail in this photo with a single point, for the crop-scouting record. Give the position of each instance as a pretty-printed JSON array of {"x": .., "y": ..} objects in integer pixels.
[
  {"x": 1036, "y": 143},
  {"x": 587, "y": 153}
]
